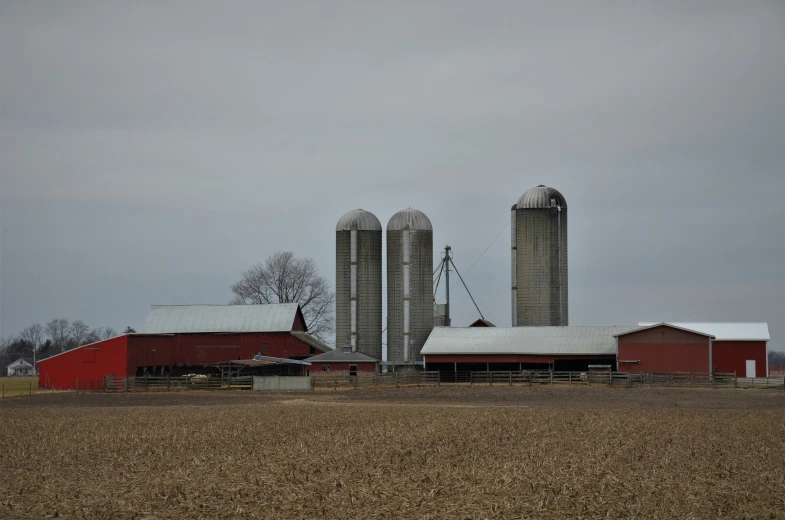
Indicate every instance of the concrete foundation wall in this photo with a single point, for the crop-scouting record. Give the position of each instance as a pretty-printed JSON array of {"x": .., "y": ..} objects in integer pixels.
[{"x": 282, "y": 383}]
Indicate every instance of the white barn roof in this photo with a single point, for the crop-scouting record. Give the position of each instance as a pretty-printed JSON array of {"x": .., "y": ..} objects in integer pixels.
[
  {"x": 725, "y": 331},
  {"x": 172, "y": 319},
  {"x": 593, "y": 340}
]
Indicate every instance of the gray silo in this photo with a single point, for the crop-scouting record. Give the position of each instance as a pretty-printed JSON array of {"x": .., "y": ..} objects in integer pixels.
[
  {"x": 409, "y": 285},
  {"x": 358, "y": 282},
  {"x": 539, "y": 259}
]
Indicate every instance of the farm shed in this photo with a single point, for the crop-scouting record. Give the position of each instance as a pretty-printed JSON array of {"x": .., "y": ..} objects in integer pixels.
[
  {"x": 343, "y": 361},
  {"x": 469, "y": 349},
  {"x": 184, "y": 339},
  {"x": 696, "y": 347}
]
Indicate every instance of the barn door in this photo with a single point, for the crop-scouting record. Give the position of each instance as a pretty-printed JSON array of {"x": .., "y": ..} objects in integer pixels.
[{"x": 750, "y": 368}]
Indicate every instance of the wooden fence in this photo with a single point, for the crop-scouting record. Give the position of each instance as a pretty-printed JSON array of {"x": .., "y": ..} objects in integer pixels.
[
  {"x": 546, "y": 377},
  {"x": 395, "y": 379},
  {"x": 168, "y": 384}
]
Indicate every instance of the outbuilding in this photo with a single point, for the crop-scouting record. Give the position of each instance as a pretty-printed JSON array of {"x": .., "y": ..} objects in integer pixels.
[
  {"x": 344, "y": 362},
  {"x": 725, "y": 347},
  {"x": 183, "y": 339},
  {"x": 481, "y": 348}
]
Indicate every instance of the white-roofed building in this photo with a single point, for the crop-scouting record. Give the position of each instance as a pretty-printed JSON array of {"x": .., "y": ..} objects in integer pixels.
[{"x": 516, "y": 348}]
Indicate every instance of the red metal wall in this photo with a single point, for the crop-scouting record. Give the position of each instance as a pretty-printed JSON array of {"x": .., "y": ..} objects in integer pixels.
[
  {"x": 317, "y": 368},
  {"x": 664, "y": 349},
  {"x": 206, "y": 349},
  {"x": 728, "y": 356},
  {"x": 87, "y": 364},
  {"x": 505, "y": 358}
]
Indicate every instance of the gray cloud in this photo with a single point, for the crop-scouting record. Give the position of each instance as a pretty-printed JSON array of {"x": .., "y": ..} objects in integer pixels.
[{"x": 151, "y": 152}]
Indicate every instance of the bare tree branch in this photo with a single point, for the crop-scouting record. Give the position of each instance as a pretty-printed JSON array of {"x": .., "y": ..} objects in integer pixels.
[{"x": 283, "y": 278}]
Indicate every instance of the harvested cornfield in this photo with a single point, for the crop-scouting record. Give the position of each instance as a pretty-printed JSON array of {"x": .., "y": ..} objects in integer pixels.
[{"x": 276, "y": 457}]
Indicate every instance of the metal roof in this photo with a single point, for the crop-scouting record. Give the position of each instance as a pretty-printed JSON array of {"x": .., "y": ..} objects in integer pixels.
[
  {"x": 312, "y": 341},
  {"x": 593, "y": 340},
  {"x": 415, "y": 219},
  {"x": 663, "y": 324},
  {"x": 262, "y": 361},
  {"x": 172, "y": 319},
  {"x": 364, "y": 220},
  {"x": 339, "y": 356},
  {"x": 540, "y": 197},
  {"x": 725, "y": 331}
]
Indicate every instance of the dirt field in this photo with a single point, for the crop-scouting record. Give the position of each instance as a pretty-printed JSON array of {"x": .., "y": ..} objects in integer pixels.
[{"x": 454, "y": 453}]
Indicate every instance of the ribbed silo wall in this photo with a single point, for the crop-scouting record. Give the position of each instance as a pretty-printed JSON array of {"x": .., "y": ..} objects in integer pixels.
[
  {"x": 368, "y": 294},
  {"x": 537, "y": 267},
  {"x": 420, "y": 293}
]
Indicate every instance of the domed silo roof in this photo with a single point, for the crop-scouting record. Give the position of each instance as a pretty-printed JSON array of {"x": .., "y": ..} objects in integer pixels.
[
  {"x": 415, "y": 219},
  {"x": 364, "y": 220},
  {"x": 540, "y": 197}
]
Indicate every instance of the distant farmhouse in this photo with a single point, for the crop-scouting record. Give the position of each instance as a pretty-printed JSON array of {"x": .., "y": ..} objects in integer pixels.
[{"x": 21, "y": 367}]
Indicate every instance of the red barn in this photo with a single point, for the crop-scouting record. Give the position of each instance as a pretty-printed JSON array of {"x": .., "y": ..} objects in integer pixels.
[
  {"x": 180, "y": 339},
  {"x": 695, "y": 347}
]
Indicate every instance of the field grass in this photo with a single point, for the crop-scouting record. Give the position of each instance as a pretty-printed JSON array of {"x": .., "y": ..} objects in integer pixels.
[
  {"x": 12, "y": 386},
  {"x": 276, "y": 457}
]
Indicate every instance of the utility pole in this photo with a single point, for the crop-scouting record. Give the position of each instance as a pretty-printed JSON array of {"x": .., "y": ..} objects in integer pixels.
[{"x": 447, "y": 260}]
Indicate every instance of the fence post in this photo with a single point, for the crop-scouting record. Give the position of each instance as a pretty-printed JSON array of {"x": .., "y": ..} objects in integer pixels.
[
  {"x": 3, "y": 391},
  {"x": 672, "y": 378},
  {"x": 31, "y": 388},
  {"x": 168, "y": 385},
  {"x": 490, "y": 377},
  {"x": 570, "y": 377},
  {"x": 418, "y": 379},
  {"x": 510, "y": 375},
  {"x": 396, "y": 379},
  {"x": 146, "y": 388},
  {"x": 375, "y": 380},
  {"x": 471, "y": 378},
  {"x": 335, "y": 382},
  {"x": 126, "y": 383},
  {"x": 77, "y": 385},
  {"x": 692, "y": 378}
]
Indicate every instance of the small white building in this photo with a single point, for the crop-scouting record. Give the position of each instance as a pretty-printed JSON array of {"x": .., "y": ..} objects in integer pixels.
[{"x": 21, "y": 367}]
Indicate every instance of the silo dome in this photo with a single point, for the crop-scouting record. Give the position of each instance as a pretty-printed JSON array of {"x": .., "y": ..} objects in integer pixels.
[
  {"x": 363, "y": 220},
  {"x": 415, "y": 219},
  {"x": 540, "y": 197}
]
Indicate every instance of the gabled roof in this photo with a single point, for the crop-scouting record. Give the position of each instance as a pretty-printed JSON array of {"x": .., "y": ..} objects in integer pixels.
[
  {"x": 663, "y": 324},
  {"x": 726, "y": 331},
  {"x": 173, "y": 319},
  {"x": 312, "y": 341},
  {"x": 21, "y": 362},
  {"x": 482, "y": 322},
  {"x": 537, "y": 341},
  {"x": 339, "y": 356}
]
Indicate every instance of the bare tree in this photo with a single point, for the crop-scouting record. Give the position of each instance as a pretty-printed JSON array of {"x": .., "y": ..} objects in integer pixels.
[
  {"x": 283, "y": 278},
  {"x": 34, "y": 334},
  {"x": 106, "y": 333},
  {"x": 57, "y": 330},
  {"x": 79, "y": 332}
]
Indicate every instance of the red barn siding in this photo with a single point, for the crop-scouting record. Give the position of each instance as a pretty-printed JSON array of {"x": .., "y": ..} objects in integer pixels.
[
  {"x": 664, "y": 349},
  {"x": 728, "y": 356},
  {"x": 206, "y": 349},
  {"x": 87, "y": 364}
]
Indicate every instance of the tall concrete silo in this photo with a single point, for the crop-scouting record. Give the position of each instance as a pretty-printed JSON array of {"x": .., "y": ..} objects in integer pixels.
[
  {"x": 409, "y": 285},
  {"x": 539, "y": 258},
  {"x": 358, "y": 282}
]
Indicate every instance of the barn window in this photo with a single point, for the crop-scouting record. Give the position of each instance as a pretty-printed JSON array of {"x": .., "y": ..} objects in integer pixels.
[
  {"x": 326, "y": 368},
  {"x": 352, "y": 370}
]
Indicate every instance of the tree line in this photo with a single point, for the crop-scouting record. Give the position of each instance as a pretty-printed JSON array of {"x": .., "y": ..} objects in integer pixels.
[{"x": 55, "y": 337}]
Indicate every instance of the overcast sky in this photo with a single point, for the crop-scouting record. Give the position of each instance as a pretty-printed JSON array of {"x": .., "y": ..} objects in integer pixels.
[{"x": 150, "y": 153}]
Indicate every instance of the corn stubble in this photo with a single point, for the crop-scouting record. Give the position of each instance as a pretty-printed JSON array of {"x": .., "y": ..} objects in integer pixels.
[{"x": 333, "y": 460}]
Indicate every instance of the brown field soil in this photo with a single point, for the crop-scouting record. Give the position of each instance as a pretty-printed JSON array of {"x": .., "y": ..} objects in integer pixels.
[{"x": 429, "y": 453}]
